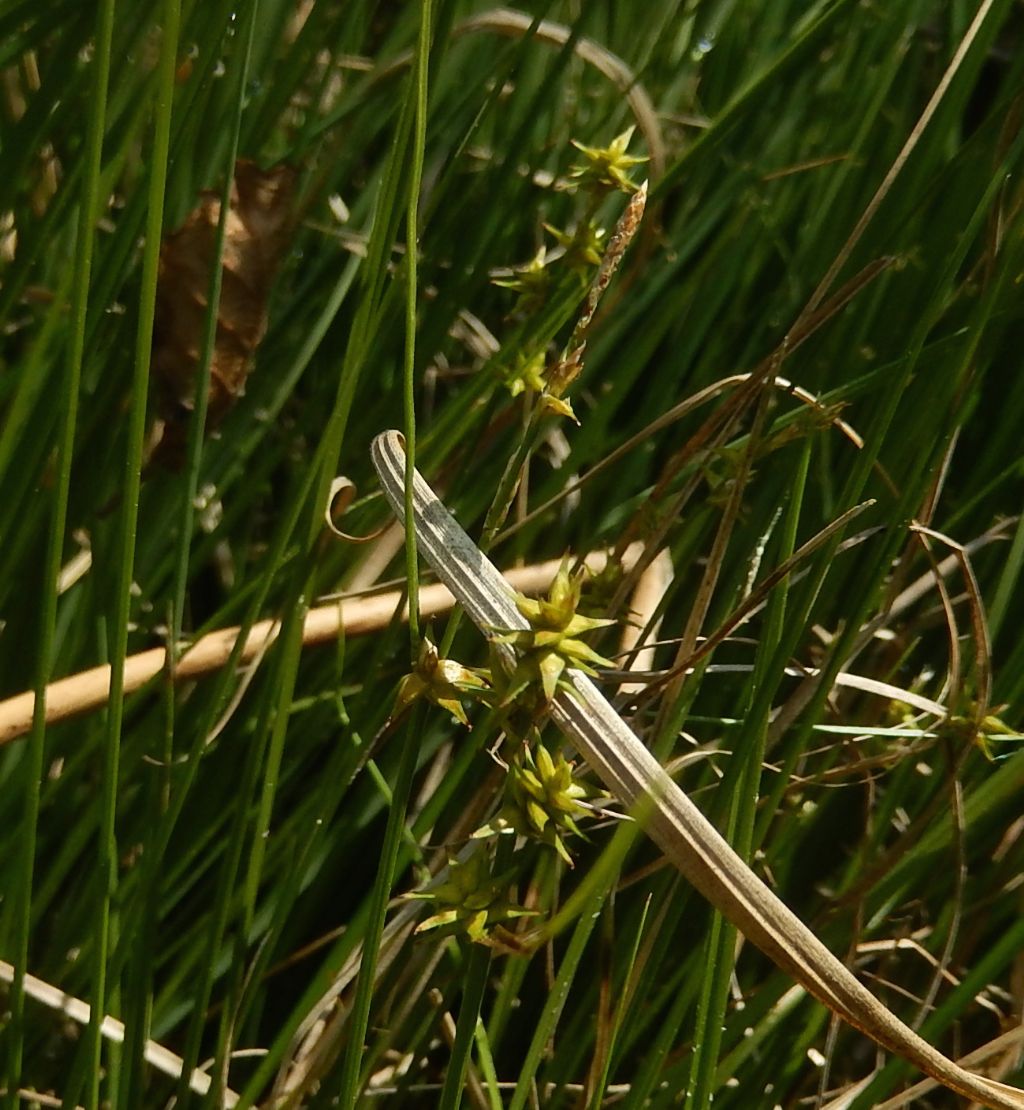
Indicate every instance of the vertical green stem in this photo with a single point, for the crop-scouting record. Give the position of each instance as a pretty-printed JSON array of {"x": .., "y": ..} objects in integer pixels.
[
  {"x": 138, "y": 993},
  {"x": 360, "y": 1015},
  {"x": 359, "y": 1018},
  {"x": 721, "y": 942},
  {"x": 412, "y": 265},
  {"x": 197, "y": 425},
  {"x": 106, "y": 863},
  {"x": 87, "y": 214},
  {"x": 475, "y": 983}
]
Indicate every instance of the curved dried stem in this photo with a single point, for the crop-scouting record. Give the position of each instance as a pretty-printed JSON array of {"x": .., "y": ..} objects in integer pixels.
[{"x": 516, "y": 24}]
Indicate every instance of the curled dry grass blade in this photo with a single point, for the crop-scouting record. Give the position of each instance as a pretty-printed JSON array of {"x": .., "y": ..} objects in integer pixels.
[{"x": 668, "y": 816}]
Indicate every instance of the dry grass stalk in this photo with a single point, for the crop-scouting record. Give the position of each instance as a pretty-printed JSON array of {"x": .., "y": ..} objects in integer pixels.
[
  {"x": 113, "y": 1030},
  {"x": 356, "y": 616}
]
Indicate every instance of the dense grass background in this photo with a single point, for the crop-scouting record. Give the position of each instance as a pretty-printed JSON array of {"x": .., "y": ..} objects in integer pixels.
[{"x": 211, "y": 892}]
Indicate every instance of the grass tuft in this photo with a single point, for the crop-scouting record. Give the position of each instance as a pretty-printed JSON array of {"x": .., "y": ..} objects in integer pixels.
[{"x": 791, "y": 387}]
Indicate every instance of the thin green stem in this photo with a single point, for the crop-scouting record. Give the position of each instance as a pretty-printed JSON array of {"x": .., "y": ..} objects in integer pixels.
[
  {"x": 509, "y": 481},
  {"x": 107, "y": 856},
  {"x": 548, "y": 1022},
  {"x": 475, "y": 983},
  {"x": 359, "y": 1018},
  {"x": 34, "y": 762},
  {"x": 393, "y": 837},
  {"x": 138, "y": 1002},
  {"x": 420, "y": 77},
  {"x": 742, "y": 811},
  {"x": 598, "y": 1094},
  {"x": 197, "y": 425}
]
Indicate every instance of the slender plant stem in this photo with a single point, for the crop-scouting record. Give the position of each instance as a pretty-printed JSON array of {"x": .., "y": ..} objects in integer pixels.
[
  {"x": 33, "y": 771},
  {"x": 721, "y": 943},
  {"x": 139, "y": 993},
  {"x": 545, "y": 1028},
  {"x": 465, "y": 1028},
  {"x": 393, "y": 836},
  {"x": 359, "y": 1018},
  {"x": 420, "y": 78},
  {"x": 106, "y": 868},
  {"x": 201, "y": 397}
]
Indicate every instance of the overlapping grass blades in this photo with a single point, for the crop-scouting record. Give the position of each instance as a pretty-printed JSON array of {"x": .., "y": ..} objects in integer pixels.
[{"x": 243, "y": 815}]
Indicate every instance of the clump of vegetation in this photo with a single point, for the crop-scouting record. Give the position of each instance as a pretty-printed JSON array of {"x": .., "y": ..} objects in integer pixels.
[{"x": 725, "y": 299}]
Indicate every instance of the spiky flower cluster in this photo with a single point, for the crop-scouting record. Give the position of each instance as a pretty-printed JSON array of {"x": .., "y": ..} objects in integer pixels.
[
  {"x": 607, "y": 167},
  {"x": 444, "y": 682},
  {"x": 471, "y": 900},
  {"x": 551, "y": 642},
  {"x": 543, "y": 800},
  {"x": 531, "y": 282},
  {"x": 530, "y": 374},
  {"x": 583, "y": 246},
  {"x": 583, "y": 251},
  {"x": 967, "y": 728}
]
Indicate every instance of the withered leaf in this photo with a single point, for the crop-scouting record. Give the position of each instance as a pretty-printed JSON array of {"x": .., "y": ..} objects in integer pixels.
[{"x": 257, "y": 233}]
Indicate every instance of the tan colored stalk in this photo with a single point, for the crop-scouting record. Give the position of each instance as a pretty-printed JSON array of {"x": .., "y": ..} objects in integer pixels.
[
  {"x": 355, "y": 616},
  {"x": 639, "y": 634},
  {"x": 667, "y": 815},
  {"x": 113, "y": 1030}
]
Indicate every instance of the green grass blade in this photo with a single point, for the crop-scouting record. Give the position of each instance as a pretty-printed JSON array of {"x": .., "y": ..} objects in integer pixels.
[{"x": 34, "y": 762}]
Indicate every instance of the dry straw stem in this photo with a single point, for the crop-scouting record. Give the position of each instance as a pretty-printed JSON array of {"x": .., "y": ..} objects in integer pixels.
[
  {"x": 667, "y": 815},
  {"x": 353, "y": 616},
  {"x": 113, "y": 1030},
  {"x": 638, "y": 636}
]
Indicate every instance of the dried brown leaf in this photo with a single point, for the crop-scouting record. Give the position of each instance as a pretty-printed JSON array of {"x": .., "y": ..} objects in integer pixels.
[{"x": 257, "y": 232}]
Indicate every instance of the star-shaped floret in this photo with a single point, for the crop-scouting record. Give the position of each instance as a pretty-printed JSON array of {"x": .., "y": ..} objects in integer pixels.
[
  {"x": 608, "y": 166},
  {"x": 584, "y": 245},
  {"x": 550, "y": 644},
  {"x": 470, "y": 899},
  {"x": 532, "y": 282},
  {"x": 544, "y": 800},
  {"x": 441, "y": 681}
]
